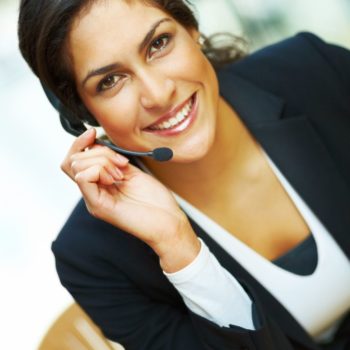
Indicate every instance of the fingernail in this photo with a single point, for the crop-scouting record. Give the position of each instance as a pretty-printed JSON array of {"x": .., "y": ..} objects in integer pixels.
[
  {"x": 110, "y": 178},
  {"x": 115, "y": 173},
  {"x": 87, "y": 133},
  {"x": 118, "y": 182},
  {"x": 119, "y": 174},
  {"x": 120, "y": 158}
]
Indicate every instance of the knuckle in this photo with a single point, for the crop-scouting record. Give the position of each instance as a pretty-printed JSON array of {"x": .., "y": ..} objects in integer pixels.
[
  {"x": 64, "y": 167},
  {"x": 74, "y": 165},
  {"x": 98, "y": 168},
  {"x": 105, "y": 162},
  {"x": 78, "y": 178},
  {"x": 110, "y": 152},
  {"x": 96, "y": 146},
  {"x": 94, "y": 211},
  {"x": 72, "y": 158}
]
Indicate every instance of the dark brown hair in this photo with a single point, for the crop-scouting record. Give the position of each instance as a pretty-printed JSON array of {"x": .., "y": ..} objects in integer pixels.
[{"x": 43, "y": 27}]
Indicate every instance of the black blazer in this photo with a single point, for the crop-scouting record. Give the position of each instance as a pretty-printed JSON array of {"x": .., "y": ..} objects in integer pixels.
[{"x": 295, "y": 99}]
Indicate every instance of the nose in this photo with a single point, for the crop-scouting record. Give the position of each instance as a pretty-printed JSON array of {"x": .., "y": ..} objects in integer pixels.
[{"x": 157, "y": 90}]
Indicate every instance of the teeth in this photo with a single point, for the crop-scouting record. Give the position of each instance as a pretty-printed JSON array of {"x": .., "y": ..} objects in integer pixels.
[
  {"x": 166, "y": 125},
  {"x": 173, "y": 121},
  {"x": 180, "y": 116}
]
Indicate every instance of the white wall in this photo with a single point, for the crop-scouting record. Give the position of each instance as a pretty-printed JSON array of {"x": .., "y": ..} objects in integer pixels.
[{"x": 36, "y": 197}]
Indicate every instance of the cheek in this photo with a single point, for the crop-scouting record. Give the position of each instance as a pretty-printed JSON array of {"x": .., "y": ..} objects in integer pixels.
[
  {"x": 117, "y": 115},
  {"x": 185, "y": 62},
  {"x": 191, "y": 63},
  {"x": 200, "y": 70}
]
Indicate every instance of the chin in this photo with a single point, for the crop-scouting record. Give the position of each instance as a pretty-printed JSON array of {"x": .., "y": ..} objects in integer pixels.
[{"x": 192, "y": 152}]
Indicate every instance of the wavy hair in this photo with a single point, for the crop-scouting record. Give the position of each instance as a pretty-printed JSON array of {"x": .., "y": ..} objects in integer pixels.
[{"x": 44, "y": 25}]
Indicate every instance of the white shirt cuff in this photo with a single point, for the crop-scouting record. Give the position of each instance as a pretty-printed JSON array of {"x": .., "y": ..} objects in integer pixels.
[{"x": 210, "y": 291}]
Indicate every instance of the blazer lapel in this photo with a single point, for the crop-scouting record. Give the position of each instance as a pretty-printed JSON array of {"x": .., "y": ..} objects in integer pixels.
[
  {"x": 297, "y": 150},
  {"x": 285, "y": 320}
]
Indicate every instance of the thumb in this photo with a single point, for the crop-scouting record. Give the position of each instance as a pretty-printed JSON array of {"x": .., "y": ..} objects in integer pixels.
[{"x": 84, "y": 140}]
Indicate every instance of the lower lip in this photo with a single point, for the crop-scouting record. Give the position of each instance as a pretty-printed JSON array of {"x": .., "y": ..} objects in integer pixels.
[{"x": 184, "y": 125}]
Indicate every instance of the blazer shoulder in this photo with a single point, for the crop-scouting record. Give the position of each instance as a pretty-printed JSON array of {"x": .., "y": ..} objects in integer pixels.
[
  {"x": 297, "y": 58},
  {"x": 86, "y": 237}
]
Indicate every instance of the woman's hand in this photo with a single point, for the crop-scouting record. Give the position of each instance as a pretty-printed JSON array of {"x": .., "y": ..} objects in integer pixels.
[{"x": 126, "y": 197}]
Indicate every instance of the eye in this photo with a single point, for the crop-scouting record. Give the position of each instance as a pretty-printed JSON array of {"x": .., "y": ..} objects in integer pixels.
[
  {"x": 109, "y": 82},
  {"x": 159, "y": 44}
]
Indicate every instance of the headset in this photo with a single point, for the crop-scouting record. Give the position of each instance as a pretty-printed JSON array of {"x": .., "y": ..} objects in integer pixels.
[{"x": 74, "y": 126}]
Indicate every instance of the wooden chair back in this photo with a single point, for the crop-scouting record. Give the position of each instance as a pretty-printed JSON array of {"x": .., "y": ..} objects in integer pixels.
[{"x": 74, "y": 330}]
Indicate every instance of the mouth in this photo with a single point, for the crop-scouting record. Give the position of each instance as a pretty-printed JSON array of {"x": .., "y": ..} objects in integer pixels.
[{"x": 176, "y": 121}]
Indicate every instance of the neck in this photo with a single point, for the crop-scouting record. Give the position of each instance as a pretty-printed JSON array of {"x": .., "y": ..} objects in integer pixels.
[{"x": 184, "y": 178}]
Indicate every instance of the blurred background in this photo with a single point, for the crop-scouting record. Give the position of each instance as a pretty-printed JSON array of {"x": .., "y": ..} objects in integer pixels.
[{"x": 36, "y": 197}]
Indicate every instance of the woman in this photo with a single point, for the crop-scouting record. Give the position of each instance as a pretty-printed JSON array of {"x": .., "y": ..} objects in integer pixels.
[{"x": 256, "y": 257}]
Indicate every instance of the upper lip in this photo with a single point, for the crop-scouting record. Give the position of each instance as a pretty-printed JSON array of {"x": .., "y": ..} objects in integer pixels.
[{"x": 172, "y": 113}]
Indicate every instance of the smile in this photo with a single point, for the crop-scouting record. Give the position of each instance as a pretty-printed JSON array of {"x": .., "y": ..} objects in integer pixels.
[{"x": 175, "y": 121}]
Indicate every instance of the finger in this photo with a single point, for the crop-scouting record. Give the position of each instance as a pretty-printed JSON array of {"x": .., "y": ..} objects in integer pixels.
[
  {"x": 120, "y": 159},
  {"x": 82, "y": 164},
  {"x": 102, "y": 143},
  {"x": 89, "y": 182},
  {"x": 103, "y": 151},
  {"x": 81, "y": 143},
  {"x": 106, "y": 179}
]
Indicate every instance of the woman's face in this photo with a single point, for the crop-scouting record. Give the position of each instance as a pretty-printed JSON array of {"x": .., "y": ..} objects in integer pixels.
[{"x": 144, "y": 78}]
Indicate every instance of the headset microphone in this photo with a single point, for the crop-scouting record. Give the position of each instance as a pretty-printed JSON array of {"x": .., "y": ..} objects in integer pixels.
[
  {"x": 161, "y": 154},
  {"x": 75, "y": 127}
]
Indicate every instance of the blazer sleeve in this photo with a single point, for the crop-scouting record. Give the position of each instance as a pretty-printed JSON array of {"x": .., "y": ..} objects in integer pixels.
[
  {"x": 97, "y": 264},
  {"x": 336, "y": 56}
]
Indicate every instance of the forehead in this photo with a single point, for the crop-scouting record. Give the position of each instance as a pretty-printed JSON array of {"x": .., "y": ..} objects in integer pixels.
[
  {"x": 103, "y": 13},
  {"x": 110, "y": 27}
]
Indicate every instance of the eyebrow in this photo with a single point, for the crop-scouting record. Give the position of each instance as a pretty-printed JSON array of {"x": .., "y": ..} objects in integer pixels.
[{"x": 116, "y": 65}]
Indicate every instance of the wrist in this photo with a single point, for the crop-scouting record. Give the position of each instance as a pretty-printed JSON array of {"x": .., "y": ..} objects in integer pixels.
[{"x": 179, "y": 249}]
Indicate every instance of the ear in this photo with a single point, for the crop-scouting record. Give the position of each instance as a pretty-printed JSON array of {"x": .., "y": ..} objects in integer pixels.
[
  {"x": 194, "y": 33},
  {"x": 197, "y": 36}
]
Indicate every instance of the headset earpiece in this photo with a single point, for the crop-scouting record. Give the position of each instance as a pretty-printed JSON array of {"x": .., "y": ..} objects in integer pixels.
[
  {"x": 69, "y": 121},
  {"x": 75, "y": 129},
  {"x": 73, "y": 125}
]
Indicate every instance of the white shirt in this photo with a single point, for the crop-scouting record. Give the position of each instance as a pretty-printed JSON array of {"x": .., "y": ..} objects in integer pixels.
[{"x": 317, "y": 301}]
